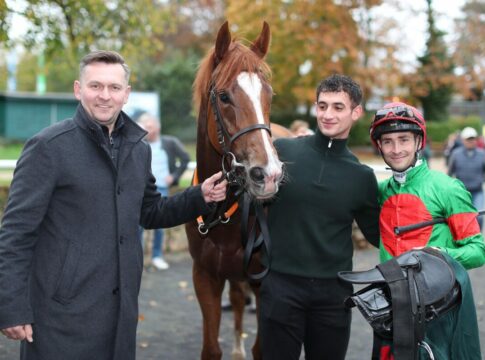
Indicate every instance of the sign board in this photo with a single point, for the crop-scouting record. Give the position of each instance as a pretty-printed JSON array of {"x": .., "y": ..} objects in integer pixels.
[{"x": 141, "y": 102}]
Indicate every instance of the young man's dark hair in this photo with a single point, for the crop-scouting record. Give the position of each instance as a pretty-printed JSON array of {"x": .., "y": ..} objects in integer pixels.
[{"x": 336, "y": 83}]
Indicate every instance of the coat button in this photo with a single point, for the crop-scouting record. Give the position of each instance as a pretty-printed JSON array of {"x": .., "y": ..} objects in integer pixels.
[{"x": 116, "y": 291}]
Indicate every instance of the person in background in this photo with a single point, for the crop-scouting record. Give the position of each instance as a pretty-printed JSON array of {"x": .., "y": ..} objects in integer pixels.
[
  {"x": 70, "y": 258},
  {"x": 453, "y": 142},
  {"x": 160, "y": 170},
  {"x": 467, "y": 163},
  {"x": 310, "y": 223},
  {"x": 301, "y": 128},
  {"x": 178, "y": 158},
  {"x": 416, "y": 194}
]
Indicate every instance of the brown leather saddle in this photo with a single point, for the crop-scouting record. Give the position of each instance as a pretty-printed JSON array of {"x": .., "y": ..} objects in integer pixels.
[{"x": 404, "y": 293}]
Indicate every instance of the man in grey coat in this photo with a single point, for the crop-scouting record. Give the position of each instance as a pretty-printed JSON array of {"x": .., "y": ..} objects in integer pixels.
[
  {"x": 70, "y": 259},
  {"x": 467, "y": 163}
]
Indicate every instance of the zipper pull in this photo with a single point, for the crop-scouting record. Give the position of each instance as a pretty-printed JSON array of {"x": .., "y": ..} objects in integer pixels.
[
  {"x": 111, "y": 142},
  {"x": 330, "y": 143}
]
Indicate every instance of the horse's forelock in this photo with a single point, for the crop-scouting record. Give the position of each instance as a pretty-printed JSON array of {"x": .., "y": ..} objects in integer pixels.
[{"x": 239, "y": 58}]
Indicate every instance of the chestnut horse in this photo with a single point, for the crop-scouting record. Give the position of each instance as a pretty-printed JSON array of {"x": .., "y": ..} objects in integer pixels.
[{"x": 233, "y": 95}]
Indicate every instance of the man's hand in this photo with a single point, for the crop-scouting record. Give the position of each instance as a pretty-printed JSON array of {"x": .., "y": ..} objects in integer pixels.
[
  {"x": 212, "y": 191},
  {"x": 20, "y": 332}
]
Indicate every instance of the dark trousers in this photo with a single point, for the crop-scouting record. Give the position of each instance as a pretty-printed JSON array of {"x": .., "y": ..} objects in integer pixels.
[{"x": 296, "y": 311}]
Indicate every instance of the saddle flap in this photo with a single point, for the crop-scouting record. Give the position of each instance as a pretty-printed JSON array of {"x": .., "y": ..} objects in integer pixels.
[
  {"x": 374, "y": 275},
  {"x": 436, "y": 278}
]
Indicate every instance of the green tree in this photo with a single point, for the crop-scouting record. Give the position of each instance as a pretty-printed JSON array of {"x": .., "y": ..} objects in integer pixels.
[
  {"x": 172, "y": 80},
  {"x": 4, "y": 22},
  {"x": 27, "y": 77},
  {"x": 432, "y": 84},
  {"x": 3, "y": 76},
  {"x": 65, "y": 30},
  {"x": 470, "y": 49},
  {"x": 171, "y": 72}
]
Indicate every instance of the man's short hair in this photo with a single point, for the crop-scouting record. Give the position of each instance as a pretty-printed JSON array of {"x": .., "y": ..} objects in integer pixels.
[
  {"x": 104, "y": 56},
  {"x": 337, "y": 83}
]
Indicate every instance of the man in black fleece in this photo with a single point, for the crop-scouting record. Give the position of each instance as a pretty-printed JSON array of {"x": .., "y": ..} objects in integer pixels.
[{"x": 310, "y": 223}]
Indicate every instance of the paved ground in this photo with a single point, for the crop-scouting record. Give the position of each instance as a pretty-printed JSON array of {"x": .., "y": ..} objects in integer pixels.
[{"x": 170, "y": 321}]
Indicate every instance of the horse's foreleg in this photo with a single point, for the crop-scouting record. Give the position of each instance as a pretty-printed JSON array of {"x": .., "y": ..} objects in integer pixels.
[
  {"x": 237, "y": 295},
  {"x": 208, "y": 291}
]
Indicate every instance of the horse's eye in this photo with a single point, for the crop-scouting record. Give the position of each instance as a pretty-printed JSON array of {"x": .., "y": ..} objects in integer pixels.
[{"x": 224, "y": 97}]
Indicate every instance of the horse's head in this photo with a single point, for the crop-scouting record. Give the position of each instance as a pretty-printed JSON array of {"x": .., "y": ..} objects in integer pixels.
[{"x": 233, "y": 93}]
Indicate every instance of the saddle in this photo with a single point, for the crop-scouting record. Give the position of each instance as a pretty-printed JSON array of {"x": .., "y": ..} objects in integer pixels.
[{"x": 404, "y": 294}]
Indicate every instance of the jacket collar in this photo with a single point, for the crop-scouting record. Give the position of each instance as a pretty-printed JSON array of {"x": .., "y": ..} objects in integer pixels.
[
  {"x": 414, "y": 172},
  {"x": 327, "y": 145}
]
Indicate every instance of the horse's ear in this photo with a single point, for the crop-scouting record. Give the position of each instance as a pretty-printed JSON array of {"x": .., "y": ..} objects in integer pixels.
[
  {"x": 222, "y": 43},
  {"x": 261, "y": 44}
]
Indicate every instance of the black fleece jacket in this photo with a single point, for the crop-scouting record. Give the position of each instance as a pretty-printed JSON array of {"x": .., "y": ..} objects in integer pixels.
[{"x": 310, "y": 220}]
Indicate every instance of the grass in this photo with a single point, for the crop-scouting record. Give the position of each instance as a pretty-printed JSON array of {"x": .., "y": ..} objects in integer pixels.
[{"x": 10, "y": 151}]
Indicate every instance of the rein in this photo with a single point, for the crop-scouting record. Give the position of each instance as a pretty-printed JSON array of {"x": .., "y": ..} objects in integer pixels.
[
  {"x": 217, "y": 216},
  {"x": 237, "y": 187}
]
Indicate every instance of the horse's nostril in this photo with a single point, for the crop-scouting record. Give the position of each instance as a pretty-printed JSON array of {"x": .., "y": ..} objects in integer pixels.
[{"x": 256, "y": 174}]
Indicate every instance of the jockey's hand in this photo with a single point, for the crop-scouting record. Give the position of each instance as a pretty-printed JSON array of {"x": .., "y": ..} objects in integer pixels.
[
  {"x": 213, "y": 189},
  {"x": 19, "y": 332}
]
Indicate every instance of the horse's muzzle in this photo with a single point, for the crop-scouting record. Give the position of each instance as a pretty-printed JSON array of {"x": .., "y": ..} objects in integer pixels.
[{"x": 262, "y": 185}]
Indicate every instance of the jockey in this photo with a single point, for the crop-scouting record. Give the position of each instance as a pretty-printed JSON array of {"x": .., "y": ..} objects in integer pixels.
[{"x": 416, "y": 194}]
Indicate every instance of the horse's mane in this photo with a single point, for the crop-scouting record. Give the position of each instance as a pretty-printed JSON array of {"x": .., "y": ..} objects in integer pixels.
[{"x": 237, "y": 59}]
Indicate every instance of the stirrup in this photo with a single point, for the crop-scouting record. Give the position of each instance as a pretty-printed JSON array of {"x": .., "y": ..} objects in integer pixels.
[{"x": 426, "y": 347}]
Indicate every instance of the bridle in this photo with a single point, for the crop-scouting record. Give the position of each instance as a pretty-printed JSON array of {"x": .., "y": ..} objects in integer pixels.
[
  {"x": 222, "y": 132},
  {"x": 236, "y": 186},
  {"x": 230, "y": 165}
]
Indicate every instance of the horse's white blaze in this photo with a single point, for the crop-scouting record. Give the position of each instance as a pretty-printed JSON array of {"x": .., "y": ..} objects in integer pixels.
[{"x": 251, "y": 85}]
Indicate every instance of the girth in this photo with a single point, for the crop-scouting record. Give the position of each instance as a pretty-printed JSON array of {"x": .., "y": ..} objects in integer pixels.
[{"x": 405, "y": 293}]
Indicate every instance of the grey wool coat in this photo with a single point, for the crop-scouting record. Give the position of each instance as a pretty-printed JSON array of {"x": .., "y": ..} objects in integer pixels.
[{"x": 70, "y": 258}]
